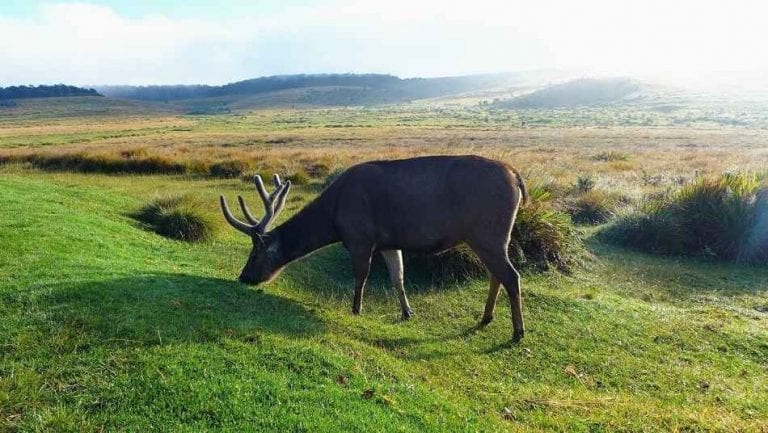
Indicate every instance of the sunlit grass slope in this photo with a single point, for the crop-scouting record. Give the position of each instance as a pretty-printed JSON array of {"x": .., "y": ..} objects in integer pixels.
[{"x": 108, "y": 327}]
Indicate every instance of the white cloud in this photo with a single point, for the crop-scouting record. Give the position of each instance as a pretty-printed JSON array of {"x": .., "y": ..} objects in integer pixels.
[
  {"x": 89, "y": 44},
  {"x": 82, "y": 43}
]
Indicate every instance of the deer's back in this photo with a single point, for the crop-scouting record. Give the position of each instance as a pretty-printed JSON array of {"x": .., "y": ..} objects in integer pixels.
[{"x": 428, "y": 203}]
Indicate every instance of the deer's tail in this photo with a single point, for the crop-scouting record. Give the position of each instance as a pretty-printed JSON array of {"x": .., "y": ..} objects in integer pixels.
[{"x": 521, "y": 185}]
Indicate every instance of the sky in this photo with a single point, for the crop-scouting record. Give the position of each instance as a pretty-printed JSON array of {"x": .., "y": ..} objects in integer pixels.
[{"x": 215, "y": 42}]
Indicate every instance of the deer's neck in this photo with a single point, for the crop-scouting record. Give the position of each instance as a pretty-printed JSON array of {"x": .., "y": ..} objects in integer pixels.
[{"x": 309, "y": 230}]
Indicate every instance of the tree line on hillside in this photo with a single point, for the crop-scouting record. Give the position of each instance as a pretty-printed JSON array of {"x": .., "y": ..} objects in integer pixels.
[
  {"x": 44, "y": 91},
  {"x": 246, "y": 87}
]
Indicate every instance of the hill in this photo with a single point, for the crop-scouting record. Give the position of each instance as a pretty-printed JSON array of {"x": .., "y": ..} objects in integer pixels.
[
  {"x": 581, "y": 92},
  {"x": 328, "y": 89}
]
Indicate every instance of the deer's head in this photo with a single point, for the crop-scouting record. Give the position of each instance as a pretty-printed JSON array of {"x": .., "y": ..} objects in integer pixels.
[{"x": 264, "y": 261}]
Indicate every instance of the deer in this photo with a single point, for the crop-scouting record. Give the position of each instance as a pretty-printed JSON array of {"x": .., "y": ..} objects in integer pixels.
[{"x": 426, "y": 204}]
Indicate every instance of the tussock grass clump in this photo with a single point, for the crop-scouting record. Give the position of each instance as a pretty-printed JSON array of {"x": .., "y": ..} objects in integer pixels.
[
  {"x": 723, "y": 217},
  {"x": 318, "y": 170},
  {"x": 299, "y": 177},
  {"x": 593, "y": 207},
  {"x": 542, "y": 239},
  {"x": 611, "y": 156},
  {"x": 179, "y": 217},
  {"x": 248, "y": 176},
  {"x": 102, "y": 163},
  {"x": 585, "y": 183},
  {"x": 227, "y": 169},
  {"x": 457, "y": 264}
]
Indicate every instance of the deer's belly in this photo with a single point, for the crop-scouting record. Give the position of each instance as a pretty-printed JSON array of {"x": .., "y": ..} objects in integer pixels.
[{"x": 423, "y": 241}]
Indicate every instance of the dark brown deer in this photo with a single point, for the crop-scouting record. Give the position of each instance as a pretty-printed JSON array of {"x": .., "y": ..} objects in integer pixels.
[{"x": 419, "y": 204}]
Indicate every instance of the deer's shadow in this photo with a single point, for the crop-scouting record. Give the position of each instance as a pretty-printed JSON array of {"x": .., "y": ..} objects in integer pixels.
[
  {"x": 171, "y": 308},
  {"x": 328, "y": 273}
]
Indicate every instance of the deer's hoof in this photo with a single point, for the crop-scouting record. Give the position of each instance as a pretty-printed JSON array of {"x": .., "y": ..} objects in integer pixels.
[
  {"x": 486, "y": 320},
  {"x": 407, "y": 314},
  {"x": 517, "y": 336}
]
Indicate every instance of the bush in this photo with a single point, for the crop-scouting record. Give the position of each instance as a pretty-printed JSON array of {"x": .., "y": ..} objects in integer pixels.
[
  {"x": 593, "y": 207},
  {"x": 542, "y": 239},
  {"x": 178, "y": 217},
  {"x": 723, "y": 217}
]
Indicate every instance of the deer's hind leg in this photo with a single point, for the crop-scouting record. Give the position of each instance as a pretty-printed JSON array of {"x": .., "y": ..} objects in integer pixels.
[
  {"x": 498, "y": 264},
  {"x": 490, "y": 303},
  {"x": 394, "y": 261}
]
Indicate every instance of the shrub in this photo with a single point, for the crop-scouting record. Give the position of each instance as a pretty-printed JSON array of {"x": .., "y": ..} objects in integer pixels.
[
  {"x": 542, "y": 238},
  {"x": 227, "y": 169},
  {"x": 592, "y": 207},
  {"x": 178, "y": 217},
  {"x": 723, "y": 217}
]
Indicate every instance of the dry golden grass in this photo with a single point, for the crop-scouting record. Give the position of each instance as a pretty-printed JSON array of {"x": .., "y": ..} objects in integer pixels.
[
  {"x": 79, "y": 126},
  {"x": 293, "y": 141}
]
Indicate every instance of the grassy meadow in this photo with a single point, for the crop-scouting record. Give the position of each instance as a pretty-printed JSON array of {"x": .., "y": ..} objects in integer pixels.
[{"x": 108, "y": 326}]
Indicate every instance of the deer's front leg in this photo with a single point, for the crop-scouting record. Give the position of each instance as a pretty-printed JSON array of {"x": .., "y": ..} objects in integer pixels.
[
  {"x": 394, "y": 261},
  {"x": 361, "y": 265}
]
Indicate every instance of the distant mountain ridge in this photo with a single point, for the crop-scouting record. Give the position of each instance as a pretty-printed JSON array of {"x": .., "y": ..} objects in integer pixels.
[{"x": 364, "y": 88}]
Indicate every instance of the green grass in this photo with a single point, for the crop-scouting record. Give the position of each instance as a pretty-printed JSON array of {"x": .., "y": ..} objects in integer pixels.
[{"x": 107, "y": 327}]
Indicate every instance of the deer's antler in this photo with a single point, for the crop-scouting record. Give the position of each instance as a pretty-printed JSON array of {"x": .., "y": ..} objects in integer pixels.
[{"x": 273, "y": 204}]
